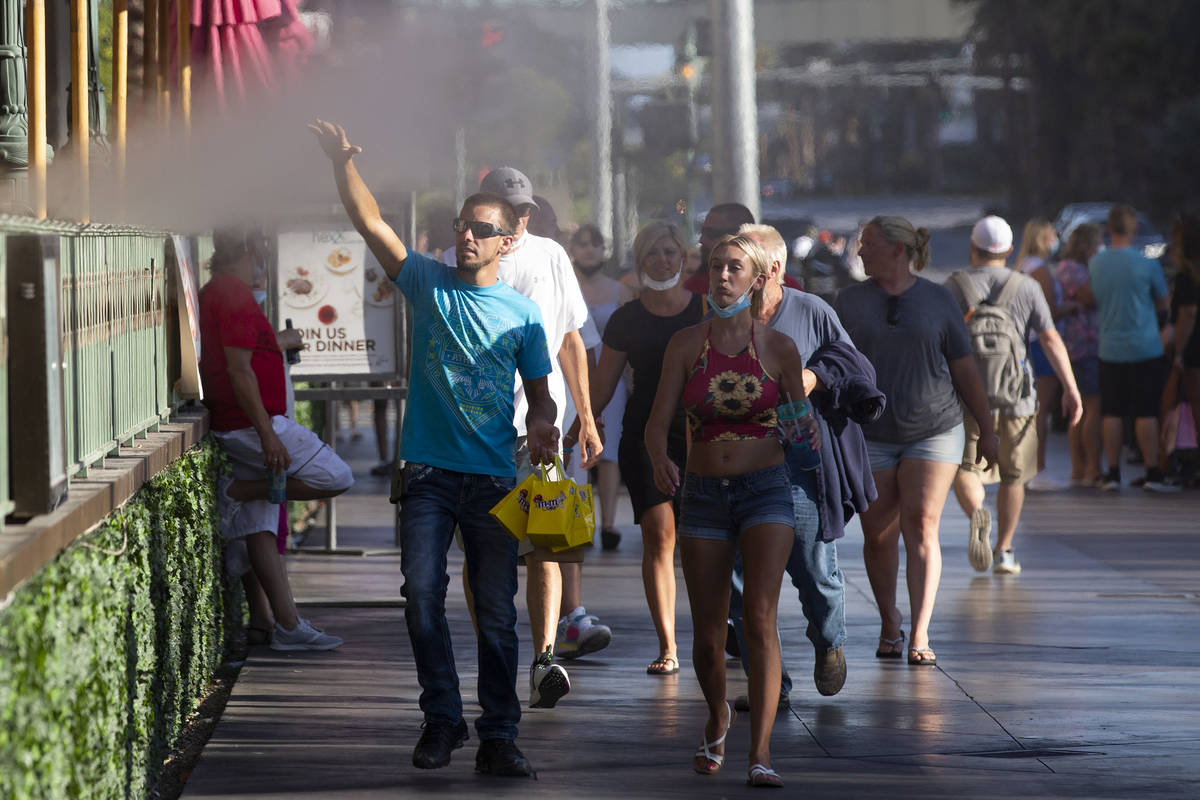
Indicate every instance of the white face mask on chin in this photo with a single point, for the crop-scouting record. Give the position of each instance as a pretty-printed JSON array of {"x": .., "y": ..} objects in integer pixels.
[{"x": 661, "y": 286}]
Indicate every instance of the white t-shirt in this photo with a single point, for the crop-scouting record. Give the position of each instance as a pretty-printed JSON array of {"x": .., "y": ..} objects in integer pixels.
[{"x": 540, "y": 269}]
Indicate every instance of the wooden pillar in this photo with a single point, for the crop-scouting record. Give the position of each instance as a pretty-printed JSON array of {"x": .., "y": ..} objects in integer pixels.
[
  {"x": 35, "y": 42},
  {"x": 120, "y": 79},
  {"x": 164, "y": 67},
  {"x": 149, "y": 108},
  {"x": 183, "y": 52},
  {"x": 80, "y": 125}
]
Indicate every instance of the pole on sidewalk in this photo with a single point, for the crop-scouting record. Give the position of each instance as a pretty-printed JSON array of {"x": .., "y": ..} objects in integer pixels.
[
  {"x": 735, "y": 106},
  {"x": 602, "y": 157}
]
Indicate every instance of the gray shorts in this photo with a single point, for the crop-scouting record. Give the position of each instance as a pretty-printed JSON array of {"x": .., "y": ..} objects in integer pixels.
[
  {"x": 312, "y": 461},
  {"x": 946, "y": 447}
]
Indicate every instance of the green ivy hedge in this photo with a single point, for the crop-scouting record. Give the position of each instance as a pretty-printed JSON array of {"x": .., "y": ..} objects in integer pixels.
[{"x": 105, "y": 652}]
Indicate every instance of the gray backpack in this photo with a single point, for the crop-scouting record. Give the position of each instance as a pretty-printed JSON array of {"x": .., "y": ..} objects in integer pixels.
[{"x": 997, "y": 341}]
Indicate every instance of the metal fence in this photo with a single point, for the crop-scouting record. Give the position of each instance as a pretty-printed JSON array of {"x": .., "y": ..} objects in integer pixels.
[
  {"x": 113, "y": 299},
  {"x": 118, "y": 336}
]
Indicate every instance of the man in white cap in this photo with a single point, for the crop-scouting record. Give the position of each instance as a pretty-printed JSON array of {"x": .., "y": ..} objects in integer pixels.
[
  {"x": 1001, "y": 306},
  {"x": 540, "y": 269}
]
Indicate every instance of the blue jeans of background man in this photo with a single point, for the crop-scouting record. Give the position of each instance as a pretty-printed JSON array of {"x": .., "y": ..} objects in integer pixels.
[
  {"x": 814, "y": 570},
  {"x": 434, "y": 501}
]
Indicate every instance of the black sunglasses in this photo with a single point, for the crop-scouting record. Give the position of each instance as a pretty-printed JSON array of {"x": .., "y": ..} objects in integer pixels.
[
  {"x": 717, "y": 233},
  {"x": 893, "y": 310},
  {"x": 480, "y": 230}
]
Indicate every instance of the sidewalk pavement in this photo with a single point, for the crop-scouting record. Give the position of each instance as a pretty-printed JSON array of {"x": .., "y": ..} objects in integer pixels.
[{"x": 1078, "y": 678}]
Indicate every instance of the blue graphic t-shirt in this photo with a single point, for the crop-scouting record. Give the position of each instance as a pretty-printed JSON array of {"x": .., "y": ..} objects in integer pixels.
[{"x": 468, "y": 342}]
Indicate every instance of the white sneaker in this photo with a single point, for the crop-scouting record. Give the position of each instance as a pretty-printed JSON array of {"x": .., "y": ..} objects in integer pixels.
[
  {"x": 302, "y": 637},
  {"x": 1006, "y": 563},
  {"x": 1044, "y": 483},
  {"x": 547, "y": 682},
  {"x": 580, "y": 633}
]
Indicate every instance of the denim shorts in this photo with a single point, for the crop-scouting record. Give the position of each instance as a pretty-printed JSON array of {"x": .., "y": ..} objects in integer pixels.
[
  {"x": 722, "y": 508},
  {"x": 946, "y": 447}
]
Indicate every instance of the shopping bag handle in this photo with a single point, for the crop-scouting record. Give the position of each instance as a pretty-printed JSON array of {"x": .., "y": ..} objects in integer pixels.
[{"x": 558, "y": 464}]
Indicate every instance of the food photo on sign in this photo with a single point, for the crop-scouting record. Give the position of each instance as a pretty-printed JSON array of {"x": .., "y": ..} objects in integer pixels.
[{"x": 340, "y": 299}]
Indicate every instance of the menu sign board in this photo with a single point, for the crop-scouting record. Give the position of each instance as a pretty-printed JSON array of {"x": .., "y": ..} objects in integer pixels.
[{"x": 342, "y": 302}]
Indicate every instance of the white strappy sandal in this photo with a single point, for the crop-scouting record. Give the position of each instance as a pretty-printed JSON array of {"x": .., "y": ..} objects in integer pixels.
[
  {"x": 764, "y": 777},
  {"x": 706, "y": 762}
]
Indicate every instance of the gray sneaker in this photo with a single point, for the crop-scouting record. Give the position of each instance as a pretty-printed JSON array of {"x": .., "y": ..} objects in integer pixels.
[
  {"x": 302, "y": 637},
  {"x": 979, "y": 546}
]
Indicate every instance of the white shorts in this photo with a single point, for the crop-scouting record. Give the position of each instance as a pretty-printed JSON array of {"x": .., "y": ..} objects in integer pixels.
[{"x": 313, "y": 462}]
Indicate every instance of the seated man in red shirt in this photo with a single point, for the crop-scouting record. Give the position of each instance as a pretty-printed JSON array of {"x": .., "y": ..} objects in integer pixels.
[{"x": 241, "y": 369}]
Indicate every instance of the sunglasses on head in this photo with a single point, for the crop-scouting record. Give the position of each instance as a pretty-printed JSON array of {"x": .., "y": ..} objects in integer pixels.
[
  {"x": 893, "y": 310},
  {"x": 480, "y": 230}
]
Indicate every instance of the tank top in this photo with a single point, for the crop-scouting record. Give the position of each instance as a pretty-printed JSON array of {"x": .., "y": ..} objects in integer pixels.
[{"x": 730, "y": 398}]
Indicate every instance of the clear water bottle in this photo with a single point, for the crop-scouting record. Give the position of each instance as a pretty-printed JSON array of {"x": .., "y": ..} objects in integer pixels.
[{"x": 794, "y": 422}]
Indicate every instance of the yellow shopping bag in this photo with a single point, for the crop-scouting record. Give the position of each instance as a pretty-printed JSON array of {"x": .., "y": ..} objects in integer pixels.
[
  {"x": 583, "y": 525},
  {"x": 513, "y": 510},
  {"x": 552, "y": 508}
]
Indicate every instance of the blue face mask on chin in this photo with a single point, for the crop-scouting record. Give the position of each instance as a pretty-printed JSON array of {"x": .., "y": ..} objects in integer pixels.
[{"x": 733, "y": 309}]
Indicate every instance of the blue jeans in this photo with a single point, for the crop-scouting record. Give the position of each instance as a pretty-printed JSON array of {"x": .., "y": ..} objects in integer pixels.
[
  {"x": 814, "y": 570},
  {"x": 434, "y": 501}
]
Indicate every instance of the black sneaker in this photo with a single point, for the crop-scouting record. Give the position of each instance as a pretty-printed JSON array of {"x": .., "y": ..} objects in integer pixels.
[
  {"x": 1111, "y": 482},
  {"x": 502, "y": 757},
  {"x": 438, "y": 740},
  {"x": 548, "y": 682}
]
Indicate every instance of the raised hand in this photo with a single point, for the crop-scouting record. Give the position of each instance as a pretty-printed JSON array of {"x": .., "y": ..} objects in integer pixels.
[{"x": 333, "y": 140}]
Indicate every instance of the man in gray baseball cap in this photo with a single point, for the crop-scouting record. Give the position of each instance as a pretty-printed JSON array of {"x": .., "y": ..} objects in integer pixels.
[{"x": 511, "y": 184}]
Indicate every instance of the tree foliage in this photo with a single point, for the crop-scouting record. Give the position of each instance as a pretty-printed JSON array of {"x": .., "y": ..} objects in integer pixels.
[{"x": 1105, "y": 76}]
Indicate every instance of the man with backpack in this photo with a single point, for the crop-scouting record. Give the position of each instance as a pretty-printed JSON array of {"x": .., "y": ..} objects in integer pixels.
[{"x": 1001, "y": 306}]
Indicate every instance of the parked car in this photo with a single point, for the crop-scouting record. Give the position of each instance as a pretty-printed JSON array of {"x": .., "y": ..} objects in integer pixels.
[{"x": 1147, "y": 239}]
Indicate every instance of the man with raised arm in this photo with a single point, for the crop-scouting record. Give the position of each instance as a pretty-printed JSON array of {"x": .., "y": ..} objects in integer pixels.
[
  {"x": 471, "y": 335},
  {"x": 540, "y": 269}
]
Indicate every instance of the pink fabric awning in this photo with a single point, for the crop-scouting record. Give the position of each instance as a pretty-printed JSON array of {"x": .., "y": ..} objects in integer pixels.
[{"x": 243, "y": 47}]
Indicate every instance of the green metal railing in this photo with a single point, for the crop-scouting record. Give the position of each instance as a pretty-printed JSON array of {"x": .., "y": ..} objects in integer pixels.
[
  {"x": 114, "y": 292},
  {"x": 115, "y": 288}
]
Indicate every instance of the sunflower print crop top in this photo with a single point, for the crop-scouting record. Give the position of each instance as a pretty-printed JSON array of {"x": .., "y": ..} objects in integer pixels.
[{"x": 730, "y": 398}]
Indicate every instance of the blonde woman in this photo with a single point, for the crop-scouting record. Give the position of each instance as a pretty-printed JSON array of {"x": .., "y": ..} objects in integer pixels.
[
  {"x": 636, "y": 335},
  {"x": 729, "y": 374}
]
